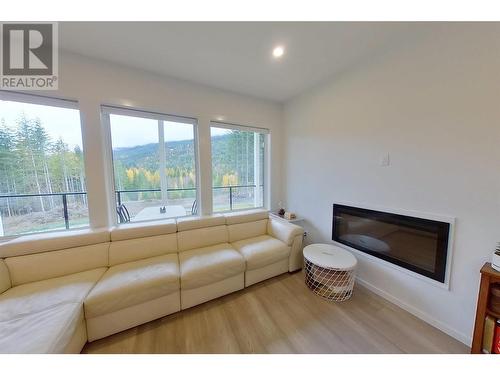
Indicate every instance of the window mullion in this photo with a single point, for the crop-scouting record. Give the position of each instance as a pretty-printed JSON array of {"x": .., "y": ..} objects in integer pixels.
[
  {"x": 163, "y": 162},
  {"x": 257, "y": 169}
]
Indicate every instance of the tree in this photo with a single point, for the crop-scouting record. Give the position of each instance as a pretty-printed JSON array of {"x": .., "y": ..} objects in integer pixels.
[
  {"x": 41, "y": 145},
  {"x": 60, "y": 149},
  {"x": 80, "y": 169},
  {"x": 6, "y": 163},
  {"x": 26, "y": 147},
  {"x": 30, "y": 163}
]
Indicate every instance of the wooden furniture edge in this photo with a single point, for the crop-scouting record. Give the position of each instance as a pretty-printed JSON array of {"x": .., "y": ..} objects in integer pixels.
[{"x": 488, "y": 276}]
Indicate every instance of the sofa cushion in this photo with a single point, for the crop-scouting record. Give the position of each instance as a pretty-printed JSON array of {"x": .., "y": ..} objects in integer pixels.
[
  {"x": 132, "y": 283},
  {"x": 41, "y": 317},
  {"x": 141, "y": 248},
  {"x": 203, "y": 237},
  {"x": 4, "y": 277},
  {"x": 204, "y": 266},
  {"x": 246, "y": 216},
  {"x": 140, "y": 230},
  {"x": 261, "y": 251},
  {"x": 196, "y": 222},
  {"x": 243, "y": 231},
  {"x": 42, "y": 266},
  {"x": 42, "y": 242}
]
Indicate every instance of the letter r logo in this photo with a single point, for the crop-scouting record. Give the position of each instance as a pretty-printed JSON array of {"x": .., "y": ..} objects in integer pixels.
[{"x": 27, "y": 49}]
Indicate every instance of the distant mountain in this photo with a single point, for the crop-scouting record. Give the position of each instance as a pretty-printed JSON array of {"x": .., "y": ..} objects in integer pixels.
[{"x": 179, "y": 154}]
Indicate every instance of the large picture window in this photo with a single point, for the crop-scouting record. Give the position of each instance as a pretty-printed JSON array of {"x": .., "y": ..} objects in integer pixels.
[
  {"x": 42, "y": 175},
  {"x": 154, "y": 165},
  {"x": 238, "y": 155}
]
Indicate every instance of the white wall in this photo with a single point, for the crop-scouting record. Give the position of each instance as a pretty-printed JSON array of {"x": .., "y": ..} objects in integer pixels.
[
  {"x": 92, "y": 83},
  {"x": 435, "y": 107}
]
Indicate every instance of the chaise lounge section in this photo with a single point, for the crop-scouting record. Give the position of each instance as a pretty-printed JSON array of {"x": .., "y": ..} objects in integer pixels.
[
  {"x": 44, "y": 288},
  {"x": 58, "y": 292}
]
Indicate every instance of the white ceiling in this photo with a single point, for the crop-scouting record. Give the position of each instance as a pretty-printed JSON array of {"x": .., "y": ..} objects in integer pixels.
[{"x": 236, "y": 56}]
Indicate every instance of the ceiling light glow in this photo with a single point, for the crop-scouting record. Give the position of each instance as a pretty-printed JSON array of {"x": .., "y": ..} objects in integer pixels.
[{"x": 278, "y": 51}]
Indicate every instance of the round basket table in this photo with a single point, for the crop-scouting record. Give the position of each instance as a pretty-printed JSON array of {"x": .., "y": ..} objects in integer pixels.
[{"x": 329, "y": 271}]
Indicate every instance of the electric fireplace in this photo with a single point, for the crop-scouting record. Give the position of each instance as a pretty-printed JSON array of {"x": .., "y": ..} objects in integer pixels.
[{"x": 417, "y": 244}]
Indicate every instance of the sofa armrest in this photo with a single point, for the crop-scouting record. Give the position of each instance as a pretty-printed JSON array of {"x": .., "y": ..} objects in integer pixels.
[
  {"x": 292, "y": 235},
  {"x": 5, "y": 282},
  {"x": 296, "y": 259},
  {"x": 283, "y": 230}
]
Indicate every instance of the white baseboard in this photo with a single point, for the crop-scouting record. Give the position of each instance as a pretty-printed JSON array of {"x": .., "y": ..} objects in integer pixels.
[{"x": 467, "y": 340}]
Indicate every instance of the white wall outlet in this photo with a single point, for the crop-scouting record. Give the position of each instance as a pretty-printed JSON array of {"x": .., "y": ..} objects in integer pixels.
[{"x": 385, "y": 160}]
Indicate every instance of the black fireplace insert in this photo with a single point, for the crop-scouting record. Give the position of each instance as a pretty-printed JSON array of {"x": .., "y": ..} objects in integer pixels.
[{"x": 417, "y": 244}]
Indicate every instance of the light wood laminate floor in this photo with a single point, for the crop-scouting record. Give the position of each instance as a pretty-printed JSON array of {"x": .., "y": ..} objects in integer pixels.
[{"x": 281, "y": 315}]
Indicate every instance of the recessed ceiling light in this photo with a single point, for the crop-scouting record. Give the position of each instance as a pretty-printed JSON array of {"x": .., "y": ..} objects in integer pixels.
[{"x": 278, "y": 51}]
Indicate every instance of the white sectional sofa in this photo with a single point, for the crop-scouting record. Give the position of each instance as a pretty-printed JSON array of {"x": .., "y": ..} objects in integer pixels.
[{"x": 59, "y": 291}]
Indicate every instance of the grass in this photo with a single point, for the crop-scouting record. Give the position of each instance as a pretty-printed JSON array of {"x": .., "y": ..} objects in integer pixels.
[{"x": 47, "y": 227}]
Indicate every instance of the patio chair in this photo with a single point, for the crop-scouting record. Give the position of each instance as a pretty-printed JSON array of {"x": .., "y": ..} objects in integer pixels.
[
  {"x": 123, "y": 214},
  {"x": 194, "y": 208}
]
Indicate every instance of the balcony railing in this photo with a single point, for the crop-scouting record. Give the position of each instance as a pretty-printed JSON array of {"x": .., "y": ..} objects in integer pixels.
[
  {"x": 64, "y": 197},
  {"x": 119, "y": 193},
  {"x": 231, "y": 190}
]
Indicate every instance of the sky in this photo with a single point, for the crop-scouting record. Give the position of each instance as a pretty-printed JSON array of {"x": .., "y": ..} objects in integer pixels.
[
  {"x": 58, "y": 122},
  {"x": 126, "y": 131}
]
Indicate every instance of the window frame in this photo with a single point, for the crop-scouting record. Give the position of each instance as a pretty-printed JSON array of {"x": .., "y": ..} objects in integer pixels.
[
  {"x": 40, "y": 100},
  {"x": 106, "y": 111},
  {"x": 57, "y": 102},
  {"x": 265, "y": 162}
]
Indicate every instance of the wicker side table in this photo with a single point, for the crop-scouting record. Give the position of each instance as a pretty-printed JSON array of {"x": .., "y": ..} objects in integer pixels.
[{"x": 329, "y": 271}]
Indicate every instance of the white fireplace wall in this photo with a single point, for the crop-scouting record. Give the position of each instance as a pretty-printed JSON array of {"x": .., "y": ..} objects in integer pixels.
[{"x": 416, "y": 129}]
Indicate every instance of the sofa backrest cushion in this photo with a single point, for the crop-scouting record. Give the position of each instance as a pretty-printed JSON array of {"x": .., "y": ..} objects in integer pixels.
[
  {"x": 243, "y": 231},
  {"x": 41, "y": 266},
  {"x": 246, "y": 216},
  {"x": 43, "y": 242},
  {"x": 140, "y": 230},
  {"x": 197, "y": 222},
  {"x": 141, "y": 248},
  {"x": 4, "y": 277},
  {"x": 203, "y": 237}
]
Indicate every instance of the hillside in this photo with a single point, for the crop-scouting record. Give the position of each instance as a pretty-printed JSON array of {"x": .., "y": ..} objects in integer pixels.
[
  {"x": 232, "y": 155},
  {"x": 179, "y": 154}
]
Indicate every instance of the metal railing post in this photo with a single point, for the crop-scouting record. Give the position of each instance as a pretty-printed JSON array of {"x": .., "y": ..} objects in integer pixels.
[
  {"x": 119, "y": 198},
  {"x": 65, "y": 210},
  {"x": 231, "y": 198}
]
